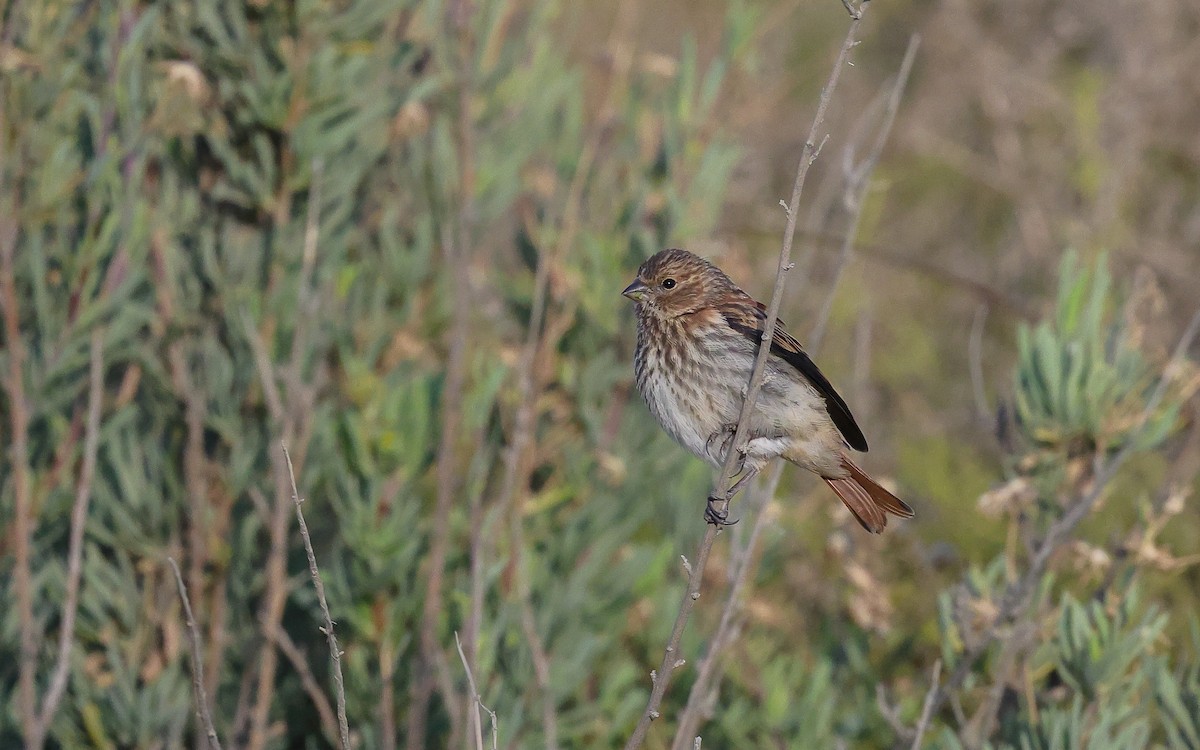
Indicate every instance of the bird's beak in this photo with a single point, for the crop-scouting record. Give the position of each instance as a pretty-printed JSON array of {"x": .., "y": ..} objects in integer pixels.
[{"x": 637, "y": 291}]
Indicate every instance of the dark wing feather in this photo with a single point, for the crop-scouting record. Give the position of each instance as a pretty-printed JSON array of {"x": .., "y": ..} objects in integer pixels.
[{"x": 750, "y": 322}]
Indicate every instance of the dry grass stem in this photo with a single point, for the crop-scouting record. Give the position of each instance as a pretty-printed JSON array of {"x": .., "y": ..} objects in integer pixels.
[
  {"x": 202, "y": 711},
  {"x": 477, "y": 699},
  {"x": 927, "y": 708},
  {"x": 858, "y": 180},
  {"x": 455, "y": 248},
  {"x": 339, "y": 688},
  {"x": 83, "y": 494},
  {"x": 19, "y": 410},
  {"x": 692, "y": 592},
  {"x": 299, "y": 661}
]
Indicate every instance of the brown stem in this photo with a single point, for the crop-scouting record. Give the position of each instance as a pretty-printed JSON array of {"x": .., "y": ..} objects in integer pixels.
[
  {"x": 299, "y": 662},
  {"x": 477, "y": 703},
  {"x": 670, "y": 660},
  {"x": 858, "y": 180},
  {"x": 83, "y": 494},
  {"x": 455, "y": 246},
  {"x": 195, "y": 480},
  {"x": 334, "y": 651},
  {"x": 387, "y": 690},
  {"x": 19, "y": 409},
  {"x": 202, "y": 712},
  {"x": 708, "y": 673}
]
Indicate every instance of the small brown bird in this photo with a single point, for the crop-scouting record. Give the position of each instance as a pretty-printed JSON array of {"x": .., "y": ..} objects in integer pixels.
[{"x": 698, "y": 335}]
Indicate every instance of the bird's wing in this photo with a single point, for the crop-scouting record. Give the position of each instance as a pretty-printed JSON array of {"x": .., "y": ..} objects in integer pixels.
[{"x": 751, "y": 320}]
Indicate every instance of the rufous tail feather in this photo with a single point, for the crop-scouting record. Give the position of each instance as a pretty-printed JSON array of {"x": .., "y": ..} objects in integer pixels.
[{"x": 869, "y": 502}]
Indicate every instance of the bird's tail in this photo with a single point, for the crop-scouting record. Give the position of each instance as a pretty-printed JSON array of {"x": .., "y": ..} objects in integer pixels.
[{"x": 869, "y": 502}]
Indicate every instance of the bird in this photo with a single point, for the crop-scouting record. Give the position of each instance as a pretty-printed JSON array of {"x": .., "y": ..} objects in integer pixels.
[{"x": 698, "y": 335}]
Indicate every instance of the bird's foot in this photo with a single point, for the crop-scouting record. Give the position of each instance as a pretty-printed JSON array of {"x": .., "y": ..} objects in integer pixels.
[{"x": 717, "y": 516}]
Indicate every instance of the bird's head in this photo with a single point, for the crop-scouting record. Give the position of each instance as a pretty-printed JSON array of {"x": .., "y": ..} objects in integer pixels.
[{"x": 675, "y": 282}]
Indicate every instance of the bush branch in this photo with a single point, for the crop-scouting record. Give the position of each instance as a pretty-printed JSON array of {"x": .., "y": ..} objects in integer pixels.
[
  {"x": 334, "y": 651},
  {"x": 809, "y": 154},
  {"x": 477, "y": 699},
  {"x": 857, "y": 182},
  {"x": 329, "y": 723},
  {"x": 83, "y": 494},
  {"x": 18, "y": 413},
  {"x": 707, "y": 672},
  {"x": 202, "y": 711}
]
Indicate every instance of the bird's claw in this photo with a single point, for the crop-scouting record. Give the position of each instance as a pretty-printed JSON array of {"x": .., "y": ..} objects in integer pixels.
[{"x": 717, "y": 516}]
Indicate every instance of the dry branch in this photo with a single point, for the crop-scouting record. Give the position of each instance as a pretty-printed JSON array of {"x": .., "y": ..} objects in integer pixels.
[
  {"x": 927, "y": 708},
  {"x": 329, "y": 722},
  {"x": 661, "y": 678},
  {"x": 202, "y": 712},
  {"x": 455, "y": 248},
  {"x": 707, "y": 672},
  {"x": 83, "y": 494},
  {"x": 477, "y": 701},
  {"x": 334, "y": 651},
  {"x": 19, "y": 410},
  {"x": 858, "y": 180}
]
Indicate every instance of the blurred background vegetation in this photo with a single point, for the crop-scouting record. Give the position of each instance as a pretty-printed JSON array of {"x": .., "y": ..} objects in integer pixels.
[{"x": 392, "y": 236}]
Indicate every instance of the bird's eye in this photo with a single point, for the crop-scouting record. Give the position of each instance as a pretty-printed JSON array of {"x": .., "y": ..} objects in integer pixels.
[{"x": 668, "y": 283}]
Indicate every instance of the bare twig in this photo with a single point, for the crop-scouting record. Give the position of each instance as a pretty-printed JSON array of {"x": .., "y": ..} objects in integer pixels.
[
  {"x": 329, "y": 722},
  {"x": 1017, "y": 594},
  {"x": 707, "y": 673},
  {"x": 455, "y": 248},
  {"x": 477, "y": 699},
  {"x": 891, "y": 714},
  {"x": 83, "y": 494},
  {"x": 294, "y": 419},
  {"x": 339, "y": 688},
  {"x": 202, "y": 712},
  {"x": 540, "y": 338},
  {"x": 18, "y": 413},
  {"x": 927, "y": 708},
  {"x": 275, "y": 569},
  {"x": 858, "y": 179},
  {"x": 692, "y": 592}
]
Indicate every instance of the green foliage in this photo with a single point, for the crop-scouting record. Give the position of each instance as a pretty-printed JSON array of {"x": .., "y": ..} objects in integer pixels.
[
  {"x": 278, "y": 215},
  {"x": 1080, "y": 383}
]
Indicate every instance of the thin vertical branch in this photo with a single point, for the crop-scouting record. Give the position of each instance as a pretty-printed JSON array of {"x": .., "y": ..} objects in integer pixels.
[
  {"x": 540, "y": 339},
  {"x": 275, "y": 570},
  {"x": 927, "y": 708},
  {"x": 707, "y": 673},
  {"x": 202, "y": 712},
  {"x": 19, "y": 410},
  {"x": 455, "y": 249},
  {"x": 339, "y": 688},
  {"x": 1017, "y": 595},
  {"x": 858, "y": 180},
  {"x": 477, "y": 702},
  {"x": 291, "y": 410},
  {"x": 661, "y": 678},
  {"x": 329, "y": 722},
  {"x": 83, "y": 494}
]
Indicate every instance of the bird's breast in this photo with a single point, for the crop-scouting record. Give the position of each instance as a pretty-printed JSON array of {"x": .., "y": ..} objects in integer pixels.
[{"x": 690, "y": 385}]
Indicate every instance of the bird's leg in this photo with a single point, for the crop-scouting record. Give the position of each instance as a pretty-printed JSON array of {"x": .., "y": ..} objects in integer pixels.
[
  {"x": 754, "y": 455},
  {"x": 717, "y": 516},
  {"x": 747, "y": 475},
  {"x": 720, "y": 516}
]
